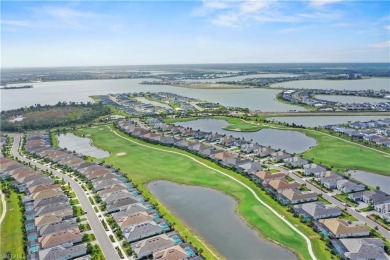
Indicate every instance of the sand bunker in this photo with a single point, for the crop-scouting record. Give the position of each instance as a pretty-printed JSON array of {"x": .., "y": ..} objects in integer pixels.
[{"x": 120, "y": 154}]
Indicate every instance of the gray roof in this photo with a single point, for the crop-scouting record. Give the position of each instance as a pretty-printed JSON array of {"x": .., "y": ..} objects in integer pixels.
[
  {"x": 140, "y": 231},
  {"x": 50, "y": 200},
  {"x": 57, "y": 227},
  {"x": 51, "y": 208},
  {"x": 62, "y": 252},
  {"x": 153, "y": 244},
  {"x": 317, "y": 209},
  {"x": 364, "y": 248}
]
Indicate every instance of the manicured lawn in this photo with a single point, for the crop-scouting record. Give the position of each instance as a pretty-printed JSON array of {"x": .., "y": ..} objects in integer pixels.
[
  {"x": 11, "y": 228},
  {"x": 329, "y": 151},
  {"x": 344, "y": 198},
  {"x": 144, "y": 165}
]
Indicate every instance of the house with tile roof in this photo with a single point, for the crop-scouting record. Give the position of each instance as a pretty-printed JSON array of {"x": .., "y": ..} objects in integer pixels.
[
  {"x": 62, "y": 252},
  {"x": 318, "y": 210},
  {"x": 341, "y": 228},
  {"x": 283, "y": 184},
  {"x": 60, "y": 238},
  {"x": 295, "y": 196}
]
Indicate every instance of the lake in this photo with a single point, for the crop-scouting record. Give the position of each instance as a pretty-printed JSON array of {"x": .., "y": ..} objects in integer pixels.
[
  {"x": 351, "y": 99},
  {"x": 81, "y": 145},
  {"x": 211, "y": 214},
  {"x": 313, "y": 121},
  {"x": 238, "y": 78},
  {"x": 80, "y": 90},
  {"x": 372, "y": 179},
  {"x": 291, "y": 141},
  {"x": 372, "y": 83}
]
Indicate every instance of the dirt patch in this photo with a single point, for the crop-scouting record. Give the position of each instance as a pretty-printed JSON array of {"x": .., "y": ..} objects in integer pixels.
[{"x": 120, "y": 154}]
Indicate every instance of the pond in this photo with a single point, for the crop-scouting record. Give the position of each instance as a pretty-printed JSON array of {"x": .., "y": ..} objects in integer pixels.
[
  {"x": 81, "y": 145},
  {"x": 291, "y": 141},
  {"x": 212, "y": 215},
  {"x": 313, "y": 121},
  {"x": 351, "y": 99},
  {"x": 372, "y": 179},
  {"x": 372, "y": 83}
]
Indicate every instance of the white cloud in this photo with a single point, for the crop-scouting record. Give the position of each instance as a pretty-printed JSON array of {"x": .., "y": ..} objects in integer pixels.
[
  {"x": 19, "y": 23},
  {"x": 321, "y": 3}
]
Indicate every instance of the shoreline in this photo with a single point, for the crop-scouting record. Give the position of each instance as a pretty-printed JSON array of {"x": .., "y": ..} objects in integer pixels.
[{"x": 235, "y": 208}]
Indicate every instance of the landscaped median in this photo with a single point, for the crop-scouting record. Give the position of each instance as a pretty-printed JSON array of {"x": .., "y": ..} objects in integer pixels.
[{"x": 144, "y": 164}]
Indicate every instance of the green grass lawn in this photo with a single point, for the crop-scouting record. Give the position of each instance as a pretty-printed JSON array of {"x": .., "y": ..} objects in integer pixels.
[
  {"x": 344, "y": 198},
  {"x": 137, "y": 164},
  {"x": 329, "y": 151},
  {"x": 11, "y": 228}
]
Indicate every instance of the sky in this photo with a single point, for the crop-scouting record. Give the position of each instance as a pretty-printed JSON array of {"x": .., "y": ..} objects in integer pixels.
[{"x": 99, "y": 33}]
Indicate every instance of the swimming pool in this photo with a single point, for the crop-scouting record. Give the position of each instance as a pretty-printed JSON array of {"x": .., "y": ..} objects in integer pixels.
[{"x": 177, "y": 240}]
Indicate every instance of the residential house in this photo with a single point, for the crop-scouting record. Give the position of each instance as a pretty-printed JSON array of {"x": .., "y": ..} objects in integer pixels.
[
  {"x": 295, "y": 196},
  {"x": 348, "y": 186},
  {"x": 341, "y": 228},
  {"x": 143, "y": 230},
  {"x": 330, "y": 181},
  {"x": 249, "y": 167},
  {"x": 266, "y": 176},
  {"x": 183, "y": 251},
  {"x": 264, "y": 151},
  {"x": 312, "y": 168},
  {"x": 60, "y": 238},
  {"x": 279, "y": 156},
  {"x": 383, "y": 208},
  {"x": 295, "y": 162},
  {"x": 283, "y": 184},
  {"x": 317, "y": 210},
  {"x": 62, "y": 252},
  {"x": 362, "y": 248},
  {"x": 147, "y": 247},
  {"x": 370, "y": 197}
]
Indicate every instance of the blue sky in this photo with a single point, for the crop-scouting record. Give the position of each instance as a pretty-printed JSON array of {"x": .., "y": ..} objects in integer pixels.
[{"x": 76, "y": 33}]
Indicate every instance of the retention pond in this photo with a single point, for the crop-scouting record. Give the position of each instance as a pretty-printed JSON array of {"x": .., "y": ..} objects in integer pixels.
[
  {"x": 212, "y": 215},
  {"x": 80, "y": 145}
]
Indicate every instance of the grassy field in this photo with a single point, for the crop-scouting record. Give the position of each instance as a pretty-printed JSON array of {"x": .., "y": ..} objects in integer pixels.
[
  {"x": 330, "y": 150},
  {"x": 11, "y": 229},
  {"x": 144, "y": 165}
]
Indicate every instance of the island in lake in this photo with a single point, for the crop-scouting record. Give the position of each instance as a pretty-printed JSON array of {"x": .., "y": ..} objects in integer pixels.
[{"x": 17, "y": 87}]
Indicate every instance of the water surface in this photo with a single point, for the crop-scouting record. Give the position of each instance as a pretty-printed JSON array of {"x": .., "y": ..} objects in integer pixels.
[
  {"x": 211, "y": 214},
  {"x": 81, "y": 145},
  {"x": 291, "y": 141},
  {"x": 372, "y": 179},
  {"x": 313, "y": 121},
  {"x": 79, "y": 91}
]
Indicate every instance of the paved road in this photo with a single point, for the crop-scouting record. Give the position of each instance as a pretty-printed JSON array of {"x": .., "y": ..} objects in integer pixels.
[
  {"x": 107, "y": 247},
  {"x": 332, "y": 200}
]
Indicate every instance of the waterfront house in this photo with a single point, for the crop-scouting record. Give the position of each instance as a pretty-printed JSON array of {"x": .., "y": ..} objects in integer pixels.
[
  {"x": 283, "y": 184},
  {"x": 330, "y": 181},
  {"x": 295, "y": 196},
  {"x": 183, "y": 251},
  {"x": 371, "y": 197},
  {"x": 317, "y": 210},
  {"x": 133, "y": 219},
  {"x": 120, "y": 203},
  {"x": 361, "y": 248},
  {"x": 279, "y": 156},
  {"x": 264, "y": 151},
  {"x": 340, "y": 228},
  {"x": 228, "y": 141},
  {"x": 348, "y": 186},
  {"x": 63, "y": 252},
  {"x": 147, "y": 247},
  {"x": 249, "y": 148},
  {"x": 383, "y": 208},
  {"x": 143, "y": 230}
]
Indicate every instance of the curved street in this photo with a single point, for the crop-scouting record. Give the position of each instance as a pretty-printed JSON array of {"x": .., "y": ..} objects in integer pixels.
[{"x": 109, "y": 252}]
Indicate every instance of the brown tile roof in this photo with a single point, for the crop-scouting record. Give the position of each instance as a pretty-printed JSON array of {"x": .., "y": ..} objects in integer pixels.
[
  {"x": 46, "y": 194},
  {"x": 283, "y": 184},
  {"x": 60, "y": 238},
  {"x": 172, "y": 253},
  {"x": 44, "y": 187},
  {"x": 266, "y": 175},
  {"x": 340, "y": 226},
  {"x": 47, "y": 219},
  {"x": 134, "y": 219},
  {"x": 298, "y": 195}
]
